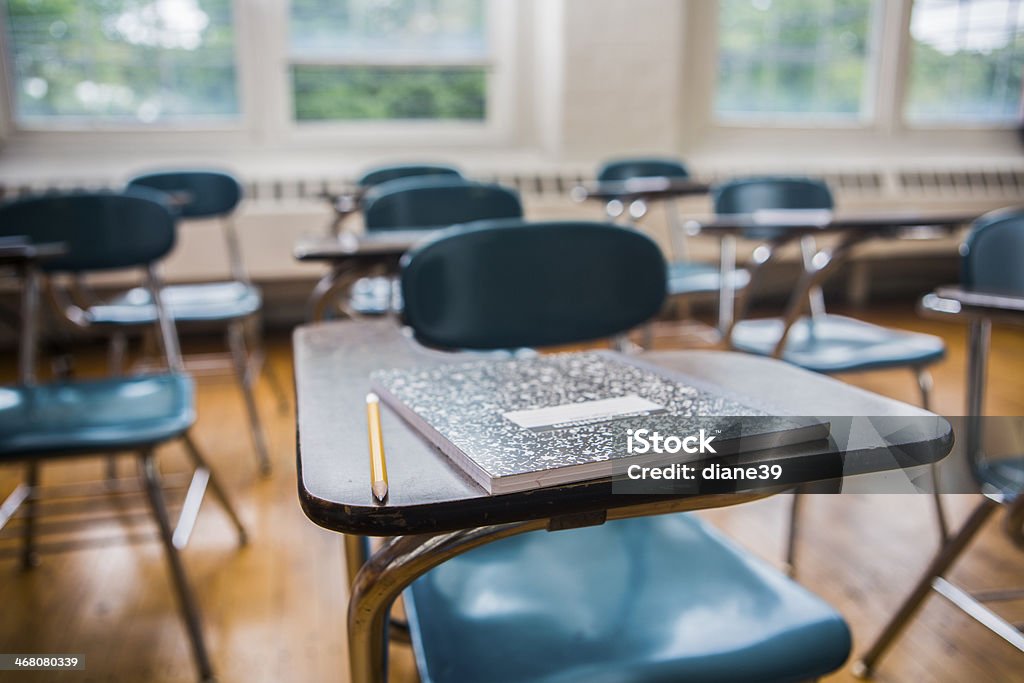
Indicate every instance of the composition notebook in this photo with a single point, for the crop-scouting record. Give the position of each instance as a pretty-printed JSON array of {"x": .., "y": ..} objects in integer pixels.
[{"x": 520, "y": 424}]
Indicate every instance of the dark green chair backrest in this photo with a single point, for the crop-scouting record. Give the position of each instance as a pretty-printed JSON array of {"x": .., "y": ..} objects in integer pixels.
[
  {"x": 511, "y": 284},
  {"x": 412, "y": 203},
  {"x": 102, "y": 230},
  {"x": 204, "y": 193},
  {"x": 993, "y": 255},
  {"x": 747, "y": 195},
  {"x": 383, "y": 174},
  {"x": 642, "y": 167}
]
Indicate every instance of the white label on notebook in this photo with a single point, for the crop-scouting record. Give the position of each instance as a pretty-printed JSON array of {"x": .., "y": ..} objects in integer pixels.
[{"x": 603, "y": 410}]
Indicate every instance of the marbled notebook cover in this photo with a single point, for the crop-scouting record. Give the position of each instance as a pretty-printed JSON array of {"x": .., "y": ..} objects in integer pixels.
[{"x": 462, "y": 408}]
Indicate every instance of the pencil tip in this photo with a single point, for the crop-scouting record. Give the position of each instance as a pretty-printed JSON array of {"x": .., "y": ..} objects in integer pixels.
[{"x": 380, "y": 490}]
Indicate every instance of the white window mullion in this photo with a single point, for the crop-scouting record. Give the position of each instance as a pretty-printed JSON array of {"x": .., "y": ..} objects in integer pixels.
[{"x": 892, "y": 53}]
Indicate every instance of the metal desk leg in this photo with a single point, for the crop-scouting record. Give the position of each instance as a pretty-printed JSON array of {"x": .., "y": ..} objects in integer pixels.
[
  {"x": 978, "y": 338},
  {"x": 817, "y": 269},
  {"x": 357, "y": 552},
  {"x": 26, "y": 376},
  {"x": 815, "y": 297},
  {"x": 864, "y": 667},
  {"x": 29, "y": 330},
  {"x": 29, "y": 557},
  {"x": 340, "y": 278},
  {"x": 726, "y": 282},
  {"x": 391, "y": 569}
]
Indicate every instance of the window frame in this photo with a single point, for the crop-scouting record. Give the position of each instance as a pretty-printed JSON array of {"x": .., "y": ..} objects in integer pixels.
[
  {"x": 883, "y": 108},
  {"x": 800, "y": 121},
  {"x": 943, "y": 124},
  {"x": 263, "y": 81},
  {"x": 502, "y": 29},
  {"x": 93, "y": 125}
]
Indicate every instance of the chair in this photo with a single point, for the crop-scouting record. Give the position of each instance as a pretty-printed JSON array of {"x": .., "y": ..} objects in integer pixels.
[
  {"x": 991, "y": 264},
  {"x": 649, "y": 599},
  {"x": 820, "y": 342},
  {"x": 423, "y": 202},
  {"x": 382, "y": 174},
  {"x": 686, "y": 278},
  {"x": 41, "y": 422},
  {"x": 346, "y": 204},
  {"x": 433, "y": 202},
  {"x": 234, "y": 305}
]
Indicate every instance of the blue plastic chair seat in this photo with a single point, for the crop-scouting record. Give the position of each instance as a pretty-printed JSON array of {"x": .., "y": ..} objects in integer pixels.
[
  {"x": 1002, "y": 475},
  {"x": 376, "y": 296},
  {"x": 109, "y": 414},
  {"x": 207, "y": 302},
  {"x": 835, "y": 343},
  {"x": 690, "y": 277},
  {"x": 650, "y": 599}
]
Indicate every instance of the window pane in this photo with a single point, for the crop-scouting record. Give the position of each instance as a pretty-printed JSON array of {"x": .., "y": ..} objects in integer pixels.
[
  {"x": 140, "y": 61},
  {"x": 368, "y": 29},
  {"x": 792, "y": 57},
  {"x": 966, "y": 60},
  {"x": 326, "y": 92},
  {"x": 389, "y": 59}
]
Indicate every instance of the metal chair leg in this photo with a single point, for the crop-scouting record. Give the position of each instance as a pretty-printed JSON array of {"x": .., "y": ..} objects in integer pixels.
[
  {"x": 236, "y": 342},
  {"x": 647, "y": 336},
  {"x": 116, "y": 350},
  {"x": 276, "y": 386},
  {"x": 865, "y": 666},
  {"x": 793, "y": 535},
  {"x": 222, "y": 497},
  {"x": 925, "y": 384},
  {"x": 940, "y": 512},
  {"x": 186, "y": 599},
  {"x": 255, "y": 341},
  {"x": 29, "y": 556}
]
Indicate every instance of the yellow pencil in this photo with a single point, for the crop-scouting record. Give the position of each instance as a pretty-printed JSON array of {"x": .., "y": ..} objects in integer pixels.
[{"x": 378, "y": 466}]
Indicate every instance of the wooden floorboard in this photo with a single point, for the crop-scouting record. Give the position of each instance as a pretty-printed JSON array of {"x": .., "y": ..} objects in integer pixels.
[{"x": 275, "y": 610}]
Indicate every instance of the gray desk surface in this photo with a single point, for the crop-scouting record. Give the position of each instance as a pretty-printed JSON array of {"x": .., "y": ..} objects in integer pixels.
[
  {"x": 428, "y": 494},
  {"x": 638, "y": 188},
  {"x": 840, "y": 221},
  {"x": 995, "y": 301},
  {"x": 18, "y": 250},
  {"x": 350, "y": 246}
]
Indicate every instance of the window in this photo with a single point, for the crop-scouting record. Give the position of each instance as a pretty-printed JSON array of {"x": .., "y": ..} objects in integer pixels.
[
  {"x": 122, "y": 61},
  {"x": 389, "y": 59},
  {"x": 966, "y": 61},
  {"x": 792, "y": 58}
]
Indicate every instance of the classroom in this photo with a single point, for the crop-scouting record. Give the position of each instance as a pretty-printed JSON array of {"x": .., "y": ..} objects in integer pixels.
[{"x": 512, "y": 341}]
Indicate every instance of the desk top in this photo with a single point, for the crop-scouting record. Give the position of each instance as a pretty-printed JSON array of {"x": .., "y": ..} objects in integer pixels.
[
  {"x": 977, "y": 299},
  {"x": 350, "y": 246},
  {"x": 428, "y": 494},
  {"x": 825, "y": 221},
  {"x": 15, "y": 250},
  {"x": 638, "y": 188},
  {"x": 880, "y": 222},
  {"x": 974, "y": 305}
]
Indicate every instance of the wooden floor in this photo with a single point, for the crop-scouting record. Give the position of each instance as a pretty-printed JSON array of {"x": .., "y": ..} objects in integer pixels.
[{"x": 275, "y": 610}]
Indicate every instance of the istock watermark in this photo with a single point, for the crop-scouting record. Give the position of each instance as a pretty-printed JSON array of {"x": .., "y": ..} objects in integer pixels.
[{"x": 640, "y": 441}]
